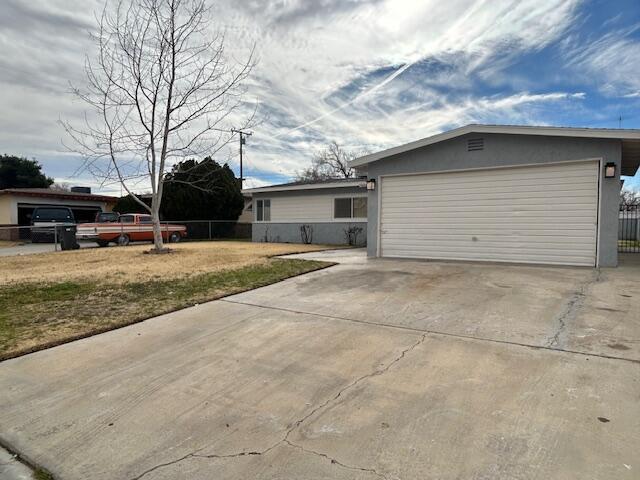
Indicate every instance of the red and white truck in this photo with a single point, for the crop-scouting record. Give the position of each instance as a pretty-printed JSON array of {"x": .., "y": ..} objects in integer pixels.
[{"x": 129, "y": 227}]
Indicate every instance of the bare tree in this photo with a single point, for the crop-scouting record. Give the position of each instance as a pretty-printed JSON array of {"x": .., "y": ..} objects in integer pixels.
[
  {"x": 160, "y": 90},
  {"x": 60, "y": 187},
  {"x": 331, "y": 162},
  {"x": 629, "y": 197}
]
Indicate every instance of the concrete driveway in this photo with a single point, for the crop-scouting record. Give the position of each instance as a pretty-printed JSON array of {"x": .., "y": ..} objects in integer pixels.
[{"x": 370, "y": 369}]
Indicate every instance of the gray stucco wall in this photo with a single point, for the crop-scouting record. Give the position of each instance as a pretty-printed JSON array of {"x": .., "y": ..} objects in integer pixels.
[
  {"x": 323, "y": 233},
  {"x": 508, "y": 150},
  {"x": 327, "y": 233}
]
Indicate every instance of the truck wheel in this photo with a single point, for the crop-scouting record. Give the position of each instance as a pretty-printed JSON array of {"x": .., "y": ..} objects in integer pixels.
[
  {"x": 174, "y": 237},
  {"x": 123, "y": 240},
  {"x": 102, "y": 243}
]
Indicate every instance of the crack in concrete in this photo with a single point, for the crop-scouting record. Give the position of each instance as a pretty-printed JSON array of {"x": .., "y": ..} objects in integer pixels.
[
  {"x": 296, "y": 424},
  {"x": 573, "y": 305},
  {"x": 334, "y": 461},
  {"x": 439, "y": 333}
]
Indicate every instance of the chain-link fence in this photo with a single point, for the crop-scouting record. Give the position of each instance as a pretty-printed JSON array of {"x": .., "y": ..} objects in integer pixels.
[
  {"x": 15, "y": 240},
  {"x": 37, "y": 239},
  {"x": 215, "y": 229}
]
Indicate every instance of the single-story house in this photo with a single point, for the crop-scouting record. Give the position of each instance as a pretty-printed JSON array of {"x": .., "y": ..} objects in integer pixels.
[
  {"x": 332, "y": 211},
  {"x": 17, "y": 204},
  {"x": 546, "y": 195}
]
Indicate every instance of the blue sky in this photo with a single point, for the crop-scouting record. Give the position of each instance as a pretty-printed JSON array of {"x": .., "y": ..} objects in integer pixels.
[{"x": 367, "y": 74}]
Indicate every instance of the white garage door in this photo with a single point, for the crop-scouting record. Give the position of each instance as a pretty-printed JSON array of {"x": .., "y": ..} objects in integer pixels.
[{"x": 540, "y": 214}]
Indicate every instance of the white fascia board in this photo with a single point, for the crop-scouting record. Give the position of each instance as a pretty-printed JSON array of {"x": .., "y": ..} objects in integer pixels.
[
  {"x": 311, "y": 186},
  {"x": 607, "y": 133}
]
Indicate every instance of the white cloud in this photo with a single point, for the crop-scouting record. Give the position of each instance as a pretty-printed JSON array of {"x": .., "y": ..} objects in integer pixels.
[
  {"x": 255, "y": 182},
  {"x": 613, "y": 60},
  {"x": 343, "y": 70}
]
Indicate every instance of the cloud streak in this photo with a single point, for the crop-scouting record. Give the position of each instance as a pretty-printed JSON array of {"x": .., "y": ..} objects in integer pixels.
[{"x": 367, "y": 74}]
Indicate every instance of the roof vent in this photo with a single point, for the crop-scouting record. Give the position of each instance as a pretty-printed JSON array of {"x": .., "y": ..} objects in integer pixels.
[
  {"x": 81, "y": 189},
  {"x": 475, "y": 144}
]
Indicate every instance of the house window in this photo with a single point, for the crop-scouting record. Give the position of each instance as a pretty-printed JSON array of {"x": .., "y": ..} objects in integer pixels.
[
  {"x": 342, "y": 208},
  {"x": 360, "y": 207},
  {"x": 263, "y": 210},
  {"x": 350, "y": 207}
]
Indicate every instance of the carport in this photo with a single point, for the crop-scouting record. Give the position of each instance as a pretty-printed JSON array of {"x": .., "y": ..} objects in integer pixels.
[{"x": 540, "y": 195}]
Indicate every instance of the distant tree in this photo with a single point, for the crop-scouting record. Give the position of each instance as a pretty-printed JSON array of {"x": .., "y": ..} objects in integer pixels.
[
  {"x": 629, "y": 196},
  {"x": 331, "y": 162},
  {"x": 128, "y": 204},
  {"x": 61, "y": 187},
  {"x": 20, "y": 172},
  {"x": 202, "y": 190}
]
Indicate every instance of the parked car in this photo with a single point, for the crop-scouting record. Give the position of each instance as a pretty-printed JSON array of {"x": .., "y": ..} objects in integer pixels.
[
  {"x": 44, "y": 220},
  {"x": 130, "y": 227},
  {"x": 107, "y": 217}
]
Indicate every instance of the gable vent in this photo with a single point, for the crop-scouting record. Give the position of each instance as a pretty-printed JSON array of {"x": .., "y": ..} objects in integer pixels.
[{"x": 475, "y": 144}]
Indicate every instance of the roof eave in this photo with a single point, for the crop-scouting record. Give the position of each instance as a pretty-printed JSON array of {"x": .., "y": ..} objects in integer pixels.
[
  {"x": 616, "y": 134},
  {"x": 310, "y": 186},
  {"x": 91, "y": 198}
]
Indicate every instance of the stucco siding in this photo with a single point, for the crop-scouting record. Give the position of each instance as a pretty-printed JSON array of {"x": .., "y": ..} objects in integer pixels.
[
  {"x": 6, "y": 217},
  {"x": 9, "y": 205},
  {"x": 508, "y": 150},
  {"x": 332, "y": 233}
]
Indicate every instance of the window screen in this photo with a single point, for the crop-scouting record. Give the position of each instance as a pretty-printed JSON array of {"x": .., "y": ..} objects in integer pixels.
[
  {"x": 259, "y": 211},
  {"x": 267, "y": 210},
  {"x": 342, "y": 208},
  {"x": 263, "y": 210},
  {"x": 360, "y": 207}
]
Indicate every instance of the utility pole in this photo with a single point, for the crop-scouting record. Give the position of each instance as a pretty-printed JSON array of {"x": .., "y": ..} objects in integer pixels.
[{"x": 243, "y": 141}]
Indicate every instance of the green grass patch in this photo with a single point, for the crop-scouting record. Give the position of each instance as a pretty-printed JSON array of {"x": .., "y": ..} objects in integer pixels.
[
  {"x": 38, "y": 315},
  {"x": 42, "y": 474}
]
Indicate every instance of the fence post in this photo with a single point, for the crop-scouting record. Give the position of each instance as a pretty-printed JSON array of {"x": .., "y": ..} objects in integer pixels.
[
  {"x": 209, "y": 229},
  {"x": 55, "y": 236}
]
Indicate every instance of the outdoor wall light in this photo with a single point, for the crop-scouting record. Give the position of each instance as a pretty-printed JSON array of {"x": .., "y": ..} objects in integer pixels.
[
  {"x": 371, "y": 184},
  {"x": 610, "y": 170}
]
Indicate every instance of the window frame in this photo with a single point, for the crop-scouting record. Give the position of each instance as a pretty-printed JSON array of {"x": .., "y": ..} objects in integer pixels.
[
  {"x": 261, "y": 210},
  {"x": 351, "y": 199}
]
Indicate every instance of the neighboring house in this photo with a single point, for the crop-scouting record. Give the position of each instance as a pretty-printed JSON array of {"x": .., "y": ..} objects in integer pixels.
[
  {"x": 17, "y": 204},
  {"x": 327, "y": 212},
  {"x": 545, "y": 195}
]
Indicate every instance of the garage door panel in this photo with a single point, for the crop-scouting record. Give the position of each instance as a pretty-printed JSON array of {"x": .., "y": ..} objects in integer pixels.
[
  {"x": 478, "y": 180},
  {"x": 586, "y": 260},
  {"x": 528, "y": 185},
  {"x": 489, "y": 237},
  {"x": 574, "y": 196},
  {"x": 541, "y": 214}
]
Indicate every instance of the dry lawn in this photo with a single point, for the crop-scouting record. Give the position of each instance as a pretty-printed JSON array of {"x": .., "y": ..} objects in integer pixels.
[
  {"x": 52, "y": 298},
  {"x": 131, "y": 264}
]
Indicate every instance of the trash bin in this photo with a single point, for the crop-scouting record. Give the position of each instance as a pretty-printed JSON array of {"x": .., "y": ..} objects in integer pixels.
[{"x": 67, "y": 237}]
